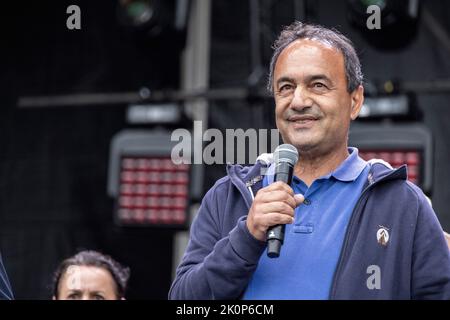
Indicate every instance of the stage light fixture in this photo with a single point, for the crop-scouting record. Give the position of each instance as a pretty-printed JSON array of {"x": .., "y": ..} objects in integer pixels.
[
  {"x": 398, "y": 21},
  {"x": 155, "y": 18},
  {"x": 138, "y": 13},
  {"x": 148, "y": 187}
]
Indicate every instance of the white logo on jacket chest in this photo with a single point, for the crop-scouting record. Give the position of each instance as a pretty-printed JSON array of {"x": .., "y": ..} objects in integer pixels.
[{"x": 383, "y": 236}]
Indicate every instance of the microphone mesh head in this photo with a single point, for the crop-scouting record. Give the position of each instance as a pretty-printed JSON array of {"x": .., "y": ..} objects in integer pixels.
[{"x": 286, "y": 153}]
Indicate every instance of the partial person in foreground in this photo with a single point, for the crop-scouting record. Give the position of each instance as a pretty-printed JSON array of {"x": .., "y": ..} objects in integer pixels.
[
  {"x": 90, "y": 275},
  {"x": 354, "y": 229},
  {"x": 5, "y": 286}
]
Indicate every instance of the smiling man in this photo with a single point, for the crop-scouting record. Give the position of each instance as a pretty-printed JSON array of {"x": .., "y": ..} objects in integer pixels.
[
  {"x": 354, "y": 229},
  {"x": 314, "y": 105}
]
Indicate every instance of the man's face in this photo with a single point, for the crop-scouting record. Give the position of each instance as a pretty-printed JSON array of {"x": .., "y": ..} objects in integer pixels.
[{"x": 313, "y": 107}]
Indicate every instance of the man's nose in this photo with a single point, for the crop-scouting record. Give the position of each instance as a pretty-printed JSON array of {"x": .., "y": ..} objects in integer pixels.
[{"x": 301, "y": 98}]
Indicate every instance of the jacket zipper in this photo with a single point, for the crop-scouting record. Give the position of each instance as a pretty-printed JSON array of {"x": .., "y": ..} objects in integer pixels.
[{"x": 249, "y": 184}]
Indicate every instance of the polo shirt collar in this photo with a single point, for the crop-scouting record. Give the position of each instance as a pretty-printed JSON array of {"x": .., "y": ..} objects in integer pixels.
[{"x": 351, "y": 168}]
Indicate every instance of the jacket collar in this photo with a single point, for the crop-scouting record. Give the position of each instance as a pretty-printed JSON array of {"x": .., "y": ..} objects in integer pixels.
[{"x": 383, "y": 171}]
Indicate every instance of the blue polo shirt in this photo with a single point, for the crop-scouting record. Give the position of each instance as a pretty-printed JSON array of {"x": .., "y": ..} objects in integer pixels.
[{"x": 312, "y": 244}]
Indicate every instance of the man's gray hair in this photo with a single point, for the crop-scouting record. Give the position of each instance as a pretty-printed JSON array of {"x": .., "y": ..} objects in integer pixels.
[{"x": 331, "y": 37}]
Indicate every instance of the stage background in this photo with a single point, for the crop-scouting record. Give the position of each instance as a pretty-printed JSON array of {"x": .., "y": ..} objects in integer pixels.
[{"x": 53, "y": 161}]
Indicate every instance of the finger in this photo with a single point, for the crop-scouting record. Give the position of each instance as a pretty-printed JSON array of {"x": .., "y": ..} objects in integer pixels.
[
  {"x": 277, "y": 206},
  {"x": 274, "y": 218},
  {"x": 279, "y": 185},
  {"x": 278, "y": 195}
]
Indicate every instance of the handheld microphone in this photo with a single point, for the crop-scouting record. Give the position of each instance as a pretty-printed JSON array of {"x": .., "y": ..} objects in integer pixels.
[{"x": 285, "y": 156}]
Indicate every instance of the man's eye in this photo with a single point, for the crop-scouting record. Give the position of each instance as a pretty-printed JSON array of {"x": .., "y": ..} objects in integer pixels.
[
  {"x": 73, "y": 296},
  {"x": 319, "y": 85},
  {"x": 98, "y": 297},
  {"x": 285, "y": 87}
]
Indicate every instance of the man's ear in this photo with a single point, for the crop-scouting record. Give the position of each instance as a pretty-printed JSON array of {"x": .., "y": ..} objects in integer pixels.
[{"x": 357, "y": 97}]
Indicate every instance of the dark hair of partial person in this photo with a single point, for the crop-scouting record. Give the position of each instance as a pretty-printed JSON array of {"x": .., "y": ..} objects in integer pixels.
[
  {"x": 90, "y": 258},
  {"x": 331, "y": 37}
]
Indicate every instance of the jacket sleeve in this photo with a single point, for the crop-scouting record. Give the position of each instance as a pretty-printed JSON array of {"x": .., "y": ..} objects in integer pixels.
[
  {"x": 5, "y": 287},
  {"x": 216, "y": 267},
  {"x": 431, "y": 256}
]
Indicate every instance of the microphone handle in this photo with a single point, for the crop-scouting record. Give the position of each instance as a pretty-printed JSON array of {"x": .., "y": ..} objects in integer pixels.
[{"x": 275, "y": 238}]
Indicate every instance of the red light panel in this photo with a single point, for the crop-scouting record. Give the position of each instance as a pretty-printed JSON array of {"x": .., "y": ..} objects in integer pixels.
[{"x": 153, "y": 191}]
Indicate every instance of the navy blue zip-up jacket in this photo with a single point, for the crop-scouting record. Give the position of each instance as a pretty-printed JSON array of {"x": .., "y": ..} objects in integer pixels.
[{"x": 415, "y": 263}]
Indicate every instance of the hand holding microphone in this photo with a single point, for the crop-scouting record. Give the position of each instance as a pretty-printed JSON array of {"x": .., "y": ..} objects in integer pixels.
[{"x": 274, "y": 205}]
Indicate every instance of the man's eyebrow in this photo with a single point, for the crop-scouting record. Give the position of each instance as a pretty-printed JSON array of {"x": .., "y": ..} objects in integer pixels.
[
  {"x": 318, "y": 77},
  {"x": 307, "y": 79},
  {"x": 74, "y": 291}
]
